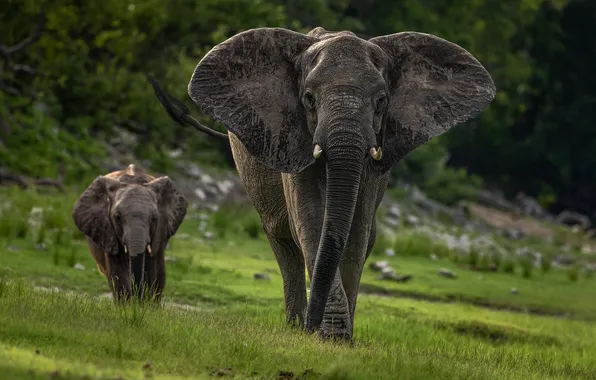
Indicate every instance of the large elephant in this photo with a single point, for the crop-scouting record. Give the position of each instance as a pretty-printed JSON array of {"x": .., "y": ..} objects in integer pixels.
[
  {"x": 316, "y": 121},
  {"x": 128, "y": 217}
]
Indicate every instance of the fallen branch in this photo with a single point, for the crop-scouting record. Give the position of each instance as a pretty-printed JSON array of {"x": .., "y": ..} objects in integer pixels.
[{"x": 7, "y": 178}]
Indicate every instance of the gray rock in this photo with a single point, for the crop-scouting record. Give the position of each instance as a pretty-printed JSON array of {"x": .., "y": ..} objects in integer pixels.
[
  {"x": 434, "y": 257},
  {"x": 79, "y": 266},
  {"x": 514, "y": 291},
  {"x": 571, "y": 218},
  {"x": 412, "y": 220},
  {"x": 13, "y": 248},
  {"x": 392, "y": 222},
  {"x": 394, "y": 212},
  {"x": 260, "y": 276},
  {"x": 379, "y": 265},
  {"x": 170, "y": 259},
  {"x": 209, "y": 235},
  {"x": 389, "y": 252},
  {"x": 446, "y": 273}
]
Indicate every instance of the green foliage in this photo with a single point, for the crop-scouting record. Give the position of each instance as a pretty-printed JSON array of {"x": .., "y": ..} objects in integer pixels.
[
  {"x": 527, "y": 266},
  {"x": 509, "y": 265},
  {"x": 546, "y": 262},
  {"x": 573, "y": 272},
  {"x": 234, "y": 220},
  {"x": 419, "y": 244}
]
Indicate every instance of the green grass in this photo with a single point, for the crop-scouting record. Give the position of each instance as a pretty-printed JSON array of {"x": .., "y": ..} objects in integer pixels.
[{"x": 407, "y": 330}]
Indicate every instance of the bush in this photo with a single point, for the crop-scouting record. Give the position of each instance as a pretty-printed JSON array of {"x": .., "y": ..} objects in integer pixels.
[
  {"x": 527, "y": 266},
  {"x": 546, "y": 262},
  {"x": 412, "y": 243},
  {"x": 233, "y": 220},
  {"x": 573, "y": 273},
  {"x": 508, "y": 265}
]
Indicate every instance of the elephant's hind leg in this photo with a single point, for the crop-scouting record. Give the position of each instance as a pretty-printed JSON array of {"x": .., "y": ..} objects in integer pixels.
[
  {"x": 291, "y": 264},
  {"x": 265, "y": 190}
]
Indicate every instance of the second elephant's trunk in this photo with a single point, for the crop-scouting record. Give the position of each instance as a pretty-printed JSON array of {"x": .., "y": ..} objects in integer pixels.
[
  {"x": 137, "y": 250},
  {"x": 345, "y": 160}
]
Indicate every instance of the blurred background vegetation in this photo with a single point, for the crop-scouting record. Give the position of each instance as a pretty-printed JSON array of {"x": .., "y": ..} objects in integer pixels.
[{"x": 73, "y": 76}]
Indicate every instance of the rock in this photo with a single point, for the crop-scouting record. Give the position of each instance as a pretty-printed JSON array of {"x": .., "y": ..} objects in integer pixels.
[
  {"x": 41, "y": 247},
  {"x": 79, "y": 266},
  {"x": 170, "y": 259},
  {"x": 512, "y": 234},
  {"x": 514, "y": 291},
  {"x": 182, "y": 236},
  {"x": 379, "y": 265},
  {"x": 529, "y": 206},
  {"x": 394, "y": 212},
  {"x": 209, "y": 235},
  {"x": 587, "y": 249},
  {"x": 389, "y": 252},
  {"x": 391, "y": 275},
  {"x": 447, "y": 273},
  {"x": 260, "y": 276},
  {"x": 434, "y": 257},
  {"x": 571, "y": 218},
  {"x": 412, "y": 220},
  {"x": 494, "y": 199},
  {"x": 13, "y": 248},
  {"x": 564, "y": 260},
  {"x": 392, "y": 222},
  {"x": 200, "y": 194},
  {"x": 175, "y": 153}
]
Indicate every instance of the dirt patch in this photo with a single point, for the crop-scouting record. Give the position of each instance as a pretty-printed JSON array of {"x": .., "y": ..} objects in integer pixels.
[
  {"x": 505, "y": 220},
  {"x": 452, "y": 298},
  {"x": 497, "y": 334}
]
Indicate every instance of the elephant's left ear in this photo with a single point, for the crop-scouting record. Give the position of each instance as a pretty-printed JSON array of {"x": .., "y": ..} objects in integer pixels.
[
  {"x": 434, "y": 85},
  {"x": 170, "y": 203}
]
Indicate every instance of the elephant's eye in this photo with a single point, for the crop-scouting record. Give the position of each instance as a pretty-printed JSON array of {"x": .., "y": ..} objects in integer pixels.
[
  {"x": 309, "y": 100},
  {"x": 381, "y": 103}
]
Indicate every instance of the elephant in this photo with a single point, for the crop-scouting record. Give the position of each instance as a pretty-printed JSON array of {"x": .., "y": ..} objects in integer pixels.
[
  {"x": 128, "y": 217},
  {"x": 315, "y": 122}
]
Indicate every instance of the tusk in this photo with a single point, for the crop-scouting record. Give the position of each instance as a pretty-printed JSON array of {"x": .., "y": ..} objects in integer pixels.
[
  {"x": 149, "y": 249},
  {"x": 317, "y": 152},
  {"x": 376, "y": 154},
  {"x": 125, "y": 249}
]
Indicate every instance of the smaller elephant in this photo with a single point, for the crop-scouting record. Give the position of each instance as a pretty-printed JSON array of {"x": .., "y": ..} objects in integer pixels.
[{"x": 128, "y": 217}]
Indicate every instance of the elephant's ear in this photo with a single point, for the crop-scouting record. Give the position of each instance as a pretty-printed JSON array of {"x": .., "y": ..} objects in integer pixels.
[
  {"x": 249, "y": 83},
  {"x": 171, "y": 205},
  {"x": 91, "y": 213},
  {"x": 434, "y": 85}
]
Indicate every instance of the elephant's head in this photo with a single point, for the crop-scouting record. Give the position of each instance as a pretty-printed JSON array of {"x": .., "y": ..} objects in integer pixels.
[
  {"x": 131, "y": 218},
  {"x": 292, "y": 98}
]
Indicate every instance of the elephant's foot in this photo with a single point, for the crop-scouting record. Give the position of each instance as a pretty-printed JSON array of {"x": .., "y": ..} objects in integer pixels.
[{"x": 336, "y": 324}]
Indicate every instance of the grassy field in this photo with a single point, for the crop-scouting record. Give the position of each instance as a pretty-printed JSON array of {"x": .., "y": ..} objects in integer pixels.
[{"x": 55, "y": 322}]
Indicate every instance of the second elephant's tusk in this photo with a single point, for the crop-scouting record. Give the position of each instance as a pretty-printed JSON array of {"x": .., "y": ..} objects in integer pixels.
[
  {"x": 317, "y": 152},
  {"x": 149, "y": 249},
  {"x": 125, "y": 249},
  {"x": 376, "y": 154}
]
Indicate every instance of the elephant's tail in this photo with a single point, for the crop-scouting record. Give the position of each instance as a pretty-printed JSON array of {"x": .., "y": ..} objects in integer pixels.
[{"x": 179, "y": 112}]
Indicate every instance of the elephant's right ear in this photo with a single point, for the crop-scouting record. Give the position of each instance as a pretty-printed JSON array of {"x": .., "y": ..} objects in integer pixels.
[
  {"x": 249, "y": 83},
  {"x": 91, "y": 213}
]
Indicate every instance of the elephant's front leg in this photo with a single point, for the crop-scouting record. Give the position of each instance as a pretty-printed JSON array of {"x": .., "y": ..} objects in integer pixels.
[
  {"x": 304, "y": 197},
  {"x": 156, "y": 276},
  {"x": 119, "y": 276}
]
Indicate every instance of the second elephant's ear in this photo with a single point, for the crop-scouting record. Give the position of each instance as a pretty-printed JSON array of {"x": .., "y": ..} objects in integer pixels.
[
  {"x": 171, "y": 205},
  {"x": 434, "y": 85},
  {"x": 249, "y": 83},
  {"x": 91, "y": 213}
]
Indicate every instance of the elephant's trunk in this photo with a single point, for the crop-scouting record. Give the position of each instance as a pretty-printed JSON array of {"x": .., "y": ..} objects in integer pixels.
[
  {"x": 344, "y": 154},
  {"x": 137, "y": 245}
]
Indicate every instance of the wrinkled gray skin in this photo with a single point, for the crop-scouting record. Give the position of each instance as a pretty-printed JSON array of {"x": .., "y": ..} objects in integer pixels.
[
  {"x": 279, "y": 93},
  {"x": 122, "y": 214}
]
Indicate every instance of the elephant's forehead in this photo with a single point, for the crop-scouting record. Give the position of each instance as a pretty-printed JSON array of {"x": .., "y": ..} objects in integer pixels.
[{"x": 134, "y": 194}]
